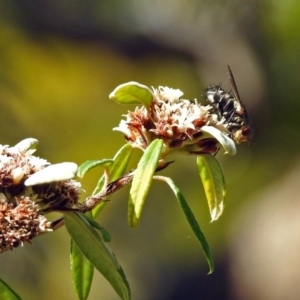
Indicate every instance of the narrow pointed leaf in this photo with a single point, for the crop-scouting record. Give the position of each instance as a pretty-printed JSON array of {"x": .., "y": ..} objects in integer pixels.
[
  {"x": 7, "y": 292},
  {"x": 90, "y": 164},
  {"x": 82, "y": 269},
  {"x": 226, "y": 142},
  {"x": 142, "y": 180},
  {"x": 92, "y": 245},
  {"x": 105, "y": 234},
  {"x": 116, "y": 170},
  {"x": 132, "y": 93},
  {"x": 192, "y": 221},
  {"x": 82, "y": 272},
  {"x": 213, "y": 181}
]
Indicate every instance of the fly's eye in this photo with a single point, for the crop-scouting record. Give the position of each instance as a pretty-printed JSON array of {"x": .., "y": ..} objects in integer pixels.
[{"x": 246, "y": 131}]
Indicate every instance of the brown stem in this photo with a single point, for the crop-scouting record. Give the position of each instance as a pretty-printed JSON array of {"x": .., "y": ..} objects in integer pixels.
[
  {"x": 92, "y": 201},
  {"x": 58, "y": 223}
]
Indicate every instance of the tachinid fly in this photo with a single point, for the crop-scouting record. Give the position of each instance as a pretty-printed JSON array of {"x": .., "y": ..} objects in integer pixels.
[{"x": 231, "y": 110}]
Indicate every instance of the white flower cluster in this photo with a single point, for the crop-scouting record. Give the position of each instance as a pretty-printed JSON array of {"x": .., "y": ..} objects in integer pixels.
[
  {"x": 29, "y": 188},
  {"x": 177, "y": 121},
  {"x": 17, "y": 163}
]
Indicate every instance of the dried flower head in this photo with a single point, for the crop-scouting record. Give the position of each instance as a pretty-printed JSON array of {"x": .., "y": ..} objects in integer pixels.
[
  {"x": 20, "y": 222},
  {"x": 29, "y": 188},
  {"x": 17, "y": 164},
  {"x": 184, "y": 125}
]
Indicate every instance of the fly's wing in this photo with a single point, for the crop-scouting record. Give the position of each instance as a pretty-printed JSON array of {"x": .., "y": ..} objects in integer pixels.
[
  {"x": 236, "y": 94},
  {"x": 235, "y": 90},
  {"x": 247, "y": 126}
]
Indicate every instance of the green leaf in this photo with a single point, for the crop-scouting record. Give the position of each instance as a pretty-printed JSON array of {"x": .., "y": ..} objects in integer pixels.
[
  {"x": 132, "y": 93},
  {"x": 82, "y": 269},
  {"x": 192, "y": 221},
  {"x": 142, "y": 180},
  {"x": 92, "y": 245},
  {"x": 116, "y": 170},
  {"x": 226, "y": 142},
  {"x": 7, "y": 292},
  {"x": 213, "y": 181},
  {"x": 105, "y": 234},
  {"x": 82, "y": 272},
  {"x": 90, "y": 164}
]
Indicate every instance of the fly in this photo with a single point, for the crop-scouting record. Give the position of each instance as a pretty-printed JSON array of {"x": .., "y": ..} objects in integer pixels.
[{"x": 231, "y": 110}]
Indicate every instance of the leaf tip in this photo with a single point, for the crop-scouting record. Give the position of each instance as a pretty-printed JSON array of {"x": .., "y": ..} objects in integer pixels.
[
  {"x": 216, "y": 212},
  {"x": 112, "y": 96}
]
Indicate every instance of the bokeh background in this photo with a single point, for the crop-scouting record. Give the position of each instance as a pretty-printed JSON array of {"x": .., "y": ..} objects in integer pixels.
[{"x": 59, "y": 60}]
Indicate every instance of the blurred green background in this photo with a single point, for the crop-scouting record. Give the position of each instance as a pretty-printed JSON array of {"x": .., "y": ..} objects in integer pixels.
[{"x": 59, "y": 60}]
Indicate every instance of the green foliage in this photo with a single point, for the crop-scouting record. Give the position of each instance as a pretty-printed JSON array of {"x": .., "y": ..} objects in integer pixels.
[
  {"x": 142, "y": 180},
  {"x": 50, "y": 83},
  {"x": 191, "y": 220},
  {"x": 116, "y": 170},
  {"x": 82, "y": 268},
  {"x": 213, "y": 181},
  {"x": 89, "y": 248},
  {"x": 92, "y": 245},
  {"x": 7, "y": 293},
  {"x": 214, "y": 185},
  {"x": 90, "y": 164},
  {"x": 105, "y": 234},
  {"x": 132, "y": 93},
  {"x": 82, "y": 272}
]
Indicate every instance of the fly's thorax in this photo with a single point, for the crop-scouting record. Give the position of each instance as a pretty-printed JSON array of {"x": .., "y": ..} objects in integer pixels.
[
  {"x": 238, "y": 107},
  {"x": 214, "y": 94}
]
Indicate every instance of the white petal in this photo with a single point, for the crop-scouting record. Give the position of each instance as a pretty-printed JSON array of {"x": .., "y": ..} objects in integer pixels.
[
  {"x": 26, "y": 144},
  {"x": 226, "y": 142},
  {"x": 173, "y": 95},
  {"x": 17, "y": 175},
  {"x": 53, "y": 173}
]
